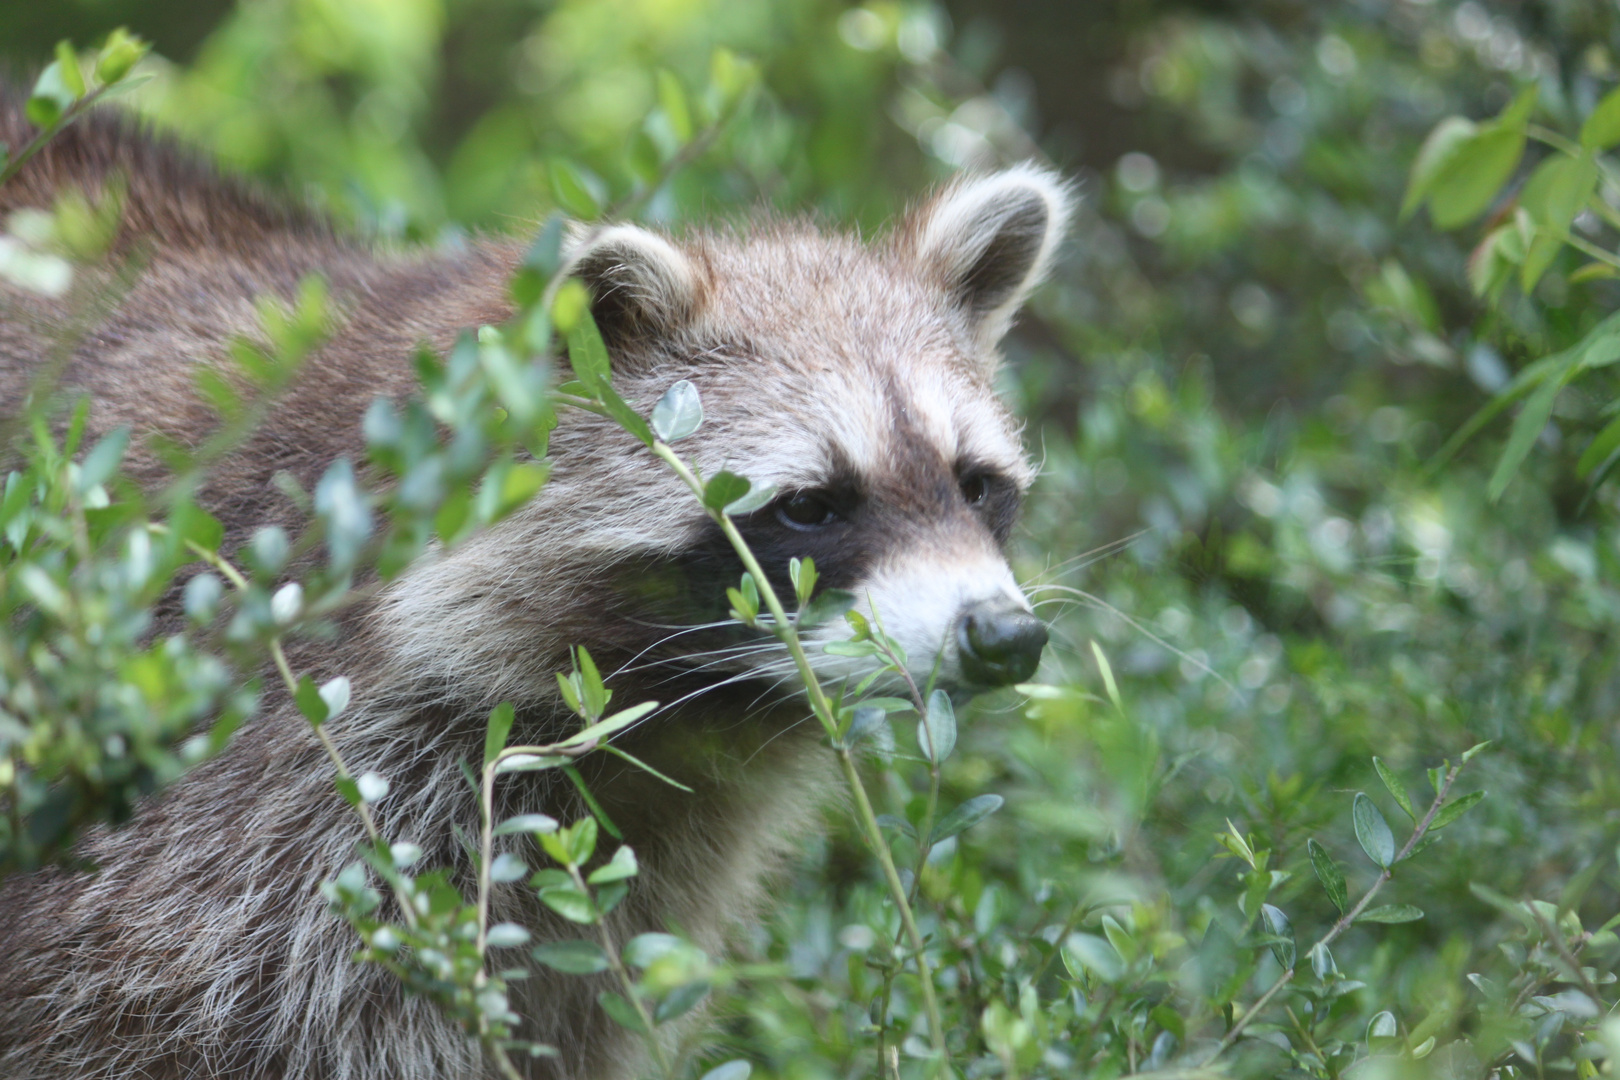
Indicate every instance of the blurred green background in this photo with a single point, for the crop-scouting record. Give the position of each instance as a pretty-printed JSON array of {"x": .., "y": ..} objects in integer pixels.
[{"x": 1236, "y": 386}]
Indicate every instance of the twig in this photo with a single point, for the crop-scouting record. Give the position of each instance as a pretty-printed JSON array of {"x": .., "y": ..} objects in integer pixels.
[
  {"x": 1345, "y": 920},
  {"x": 823, "y": 710}
]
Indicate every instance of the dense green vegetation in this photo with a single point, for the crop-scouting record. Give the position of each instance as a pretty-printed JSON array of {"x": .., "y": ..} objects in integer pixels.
[{"x": 1287, "y": 575}]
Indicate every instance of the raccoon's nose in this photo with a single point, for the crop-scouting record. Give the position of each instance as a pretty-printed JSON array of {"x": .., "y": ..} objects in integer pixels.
[{"x": 1000, "y": 643}]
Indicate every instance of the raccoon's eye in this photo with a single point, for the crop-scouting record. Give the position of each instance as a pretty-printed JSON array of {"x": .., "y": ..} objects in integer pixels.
[
  {"x": 975, "y": 488},
  {"x": 805, "y": 510}
]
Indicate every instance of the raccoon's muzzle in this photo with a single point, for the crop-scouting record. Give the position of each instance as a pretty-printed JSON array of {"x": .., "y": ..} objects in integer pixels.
[{"x": 999, "y": 643}]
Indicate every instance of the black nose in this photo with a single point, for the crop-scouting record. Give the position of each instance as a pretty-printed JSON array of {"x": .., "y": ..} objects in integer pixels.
[{"x": 1000, "y": 643}]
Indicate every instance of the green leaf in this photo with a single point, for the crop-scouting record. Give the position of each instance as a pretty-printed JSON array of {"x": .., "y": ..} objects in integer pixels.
[
  {"x": 1462, "y": 166},
  {"x": 495, "y": 733},
  {"x": 1601, "y": 448},
  {"x": 572, "y": 187},
  {"x": 545, "y": 254},
  {"x": 731, "y": 1070},
  {"x": 72, "y": 74},
  {"x": 831, "y": 604},
  {"x": 757, "y": 497},
  {"x": 621, "y": 866},
  {"x": 581, "y": 840},
  {"x": 1084, "y": 953},
  {"x": 1527, "y": 427},
  {"x": 608, "y": 726},
  {"x": 1391, "y": 913},
  {"x": 1470, "y": 178},
  {"x": 310, "y": 703},
  {"x": 1396, "y": 788},
  {"x": 1373, "y": 831},
  {"x": 1451, "y": 811},
  {"x": 572, "y": 957},
  {"x": 672, "y": 99},
  {"x": 121, "y": 52},
  {"x": 51, "y": 97},
  {"x": 802, "y": 572},
  {"x": 1107, "y": 671},
  {"x": 587, "y": 354},
  {"x": 526, "y": 823},
  {"x": 723, "y": 489},
  {"x": 680, "y": 1001},
  {"x": 103, "y": 460},
  {"x": 1602, "y": 128},
  {"x": 1554, "y": 194},
  {"x": 936, "y": 731},
  {"x": 594, "y": 694},
  {"x": 678, "y": 413},
  {"x": 570, "y": 903},
  {"x": 1329, "y": 874},
  {"x": 520, "y": 483},
  {"x": 623, "y": 1013},
  {"x": 1442, "y": 142},
  {"x": 506, "y": 936},
  {"x": 627, "y": 417},
  {"x": 1277, "y": 924},
  {"x": 964, "y": 817}
]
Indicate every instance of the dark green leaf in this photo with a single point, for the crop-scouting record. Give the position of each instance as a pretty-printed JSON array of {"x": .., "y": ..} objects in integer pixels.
[
  {"x": 1527, "y": 427},
  {"x": 495, "y": 733},
  {"x": 724, "y": 488},
  {"x": 831, "y": 604},
  {"x": 680, "y": 1001},
  {"x": 1329, "y": 874},
  {"x": 1277, "y": 924},
  {"x": 1602, "y": 128},
  {"x": 587, "y": 354},
  {"x": 1396, "y": 788},
  {"x": 573, "y": 188},
  {"x": 965, "y": 816},
  {"x": 1373, "y": 831},
  {"x": 570, "y": 903},
  {"x": 936, "y": 731},
  {"x": 310, "y": 703},
  {"x": 1391, "y": 913},
  {"x": 1455, "y": 809},
  {"x": 572, "y": 957},
  {"x": 623, "y": 1013}
]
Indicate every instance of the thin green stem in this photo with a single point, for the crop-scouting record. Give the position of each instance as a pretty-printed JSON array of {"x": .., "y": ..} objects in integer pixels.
[
  {"x": 625, "y": 981},
  {"x": 1345, "y": 920},
  {"x": 1581, "y": 244},
  {"x": 46, "y": 134},
  {"x": 824, "y": 712}
]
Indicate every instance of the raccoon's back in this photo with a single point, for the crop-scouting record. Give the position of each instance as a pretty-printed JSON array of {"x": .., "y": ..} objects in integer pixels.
[{"x": 193, "y": 258}]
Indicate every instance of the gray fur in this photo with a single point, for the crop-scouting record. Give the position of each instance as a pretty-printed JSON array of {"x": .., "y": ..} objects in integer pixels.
[{"x": 200, "y": 947}]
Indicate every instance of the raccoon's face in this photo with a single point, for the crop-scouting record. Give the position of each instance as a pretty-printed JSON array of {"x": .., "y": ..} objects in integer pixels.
[{"x": 857, "y": 381}]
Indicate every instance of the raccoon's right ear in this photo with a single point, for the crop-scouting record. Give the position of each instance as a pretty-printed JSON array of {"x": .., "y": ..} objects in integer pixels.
[
  {"x": 991, "y": 238},
  {"x": 642, "y": 286}
]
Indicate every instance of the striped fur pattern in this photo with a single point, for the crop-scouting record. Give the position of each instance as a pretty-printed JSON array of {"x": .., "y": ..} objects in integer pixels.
[{"x": 199, "y": 947}]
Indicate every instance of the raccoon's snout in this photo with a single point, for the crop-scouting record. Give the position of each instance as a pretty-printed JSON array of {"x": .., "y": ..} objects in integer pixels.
[{"x": 999, "y": 643}]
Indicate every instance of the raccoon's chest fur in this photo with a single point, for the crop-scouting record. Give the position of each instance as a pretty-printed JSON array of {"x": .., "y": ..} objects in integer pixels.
[{"x": 855, "y": 378}]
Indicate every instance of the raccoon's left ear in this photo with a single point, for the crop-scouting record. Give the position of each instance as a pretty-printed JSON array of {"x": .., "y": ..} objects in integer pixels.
[
  {"x": 990, "y": 239},
  {"x": 642, "y": 286}
]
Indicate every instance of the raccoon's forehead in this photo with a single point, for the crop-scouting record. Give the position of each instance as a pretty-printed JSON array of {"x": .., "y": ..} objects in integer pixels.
[{"x": 827, "y": 348}]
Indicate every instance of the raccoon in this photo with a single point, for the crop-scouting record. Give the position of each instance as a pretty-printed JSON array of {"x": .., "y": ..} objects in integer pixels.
[{"x": 857, "y": 377}]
